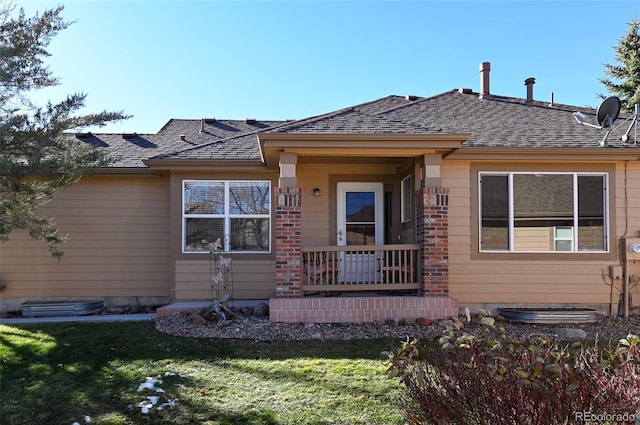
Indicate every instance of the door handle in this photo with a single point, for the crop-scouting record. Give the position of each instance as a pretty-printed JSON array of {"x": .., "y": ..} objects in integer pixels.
[{"x": 339, "y": 235}]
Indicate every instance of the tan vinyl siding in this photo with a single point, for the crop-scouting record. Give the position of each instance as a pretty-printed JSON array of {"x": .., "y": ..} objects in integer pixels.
[
  {"x": 251, "y": 279},
  {"x": 527, "y": 283},
  {"x": 118, "y": 243},
  {"x": 517, "y": 278},
  {"x": 629, "y": 201},
  {"x": 456, "y": 179},
  {"x": 318, "y": 213},
  {"x": 315, "y": 209}
]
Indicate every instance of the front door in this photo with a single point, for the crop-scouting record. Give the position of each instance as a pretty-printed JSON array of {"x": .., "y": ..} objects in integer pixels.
[{"x": 360, "y": 222}]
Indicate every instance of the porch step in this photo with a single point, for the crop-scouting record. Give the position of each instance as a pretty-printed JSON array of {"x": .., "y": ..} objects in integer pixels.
[{"x": 360, "y": 309}]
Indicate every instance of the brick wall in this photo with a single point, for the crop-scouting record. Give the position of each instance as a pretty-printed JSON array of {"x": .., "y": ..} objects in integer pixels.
[
  {"x": 360, "y": 309},
  {"x": 288, "y": 241},
  {"x": 433, "y": 235}
]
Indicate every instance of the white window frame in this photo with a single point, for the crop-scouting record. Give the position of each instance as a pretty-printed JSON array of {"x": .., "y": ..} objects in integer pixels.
[
  {"x": 406, "y": 201},
  {"x": 575, "y": 247},
  {"x": 226, "y": 216}
]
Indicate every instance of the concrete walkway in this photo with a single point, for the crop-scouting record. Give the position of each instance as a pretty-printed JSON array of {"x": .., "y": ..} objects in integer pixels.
[
  {"x": 164, "y": 311},
  {"x": 96, "y": 318}
]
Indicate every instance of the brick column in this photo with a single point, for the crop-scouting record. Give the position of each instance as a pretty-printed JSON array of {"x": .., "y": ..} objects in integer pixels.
[
  {"x": 288, "y": 241},
  {"x": 433, "y": 237}
]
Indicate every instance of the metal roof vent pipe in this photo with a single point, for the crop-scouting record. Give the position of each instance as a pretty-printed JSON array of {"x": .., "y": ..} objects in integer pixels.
[
  {"x": 529, "y": 82},
  {"x": 485, "y": 67}
]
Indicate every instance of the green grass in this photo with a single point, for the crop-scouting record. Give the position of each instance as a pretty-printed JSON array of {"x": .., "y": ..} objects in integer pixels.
[{"x": 59, "y": 373}]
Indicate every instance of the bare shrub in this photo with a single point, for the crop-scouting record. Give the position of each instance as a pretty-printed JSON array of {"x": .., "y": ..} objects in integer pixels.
[{"x": 491, "y": 379}]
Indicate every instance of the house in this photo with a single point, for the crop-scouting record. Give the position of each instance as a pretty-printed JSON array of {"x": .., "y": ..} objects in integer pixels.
[{"x": 405, "y": 206}]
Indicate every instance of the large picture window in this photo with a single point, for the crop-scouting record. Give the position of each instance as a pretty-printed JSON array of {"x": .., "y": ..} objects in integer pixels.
[
  {"x": 235, "y": 212},
  {"x": 543, "y": 212}
]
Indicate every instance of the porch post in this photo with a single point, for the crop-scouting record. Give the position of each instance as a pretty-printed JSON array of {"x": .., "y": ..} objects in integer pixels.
[
  {"x": 287, "y": 230},
  {"x": 433, "y": 237}
]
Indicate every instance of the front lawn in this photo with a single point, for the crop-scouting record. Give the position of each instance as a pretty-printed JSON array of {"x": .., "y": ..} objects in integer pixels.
[{"x": 128, "y": 373}]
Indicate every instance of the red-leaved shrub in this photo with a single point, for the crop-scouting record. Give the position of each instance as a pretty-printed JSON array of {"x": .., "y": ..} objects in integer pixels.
[{"x": 490, "y": 379}]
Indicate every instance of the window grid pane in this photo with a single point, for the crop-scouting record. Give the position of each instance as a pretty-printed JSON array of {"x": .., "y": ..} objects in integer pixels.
[
  {"x": 494, "y": 226},
  {"x": 249, "y": 234},
  {"x": 591, "y": 213},
  {"x": 541, "y": 202},
  {"x": 248, "y": 198},
  {"x": 203, "y": 198},
  {"x": 201, "y": 233}
]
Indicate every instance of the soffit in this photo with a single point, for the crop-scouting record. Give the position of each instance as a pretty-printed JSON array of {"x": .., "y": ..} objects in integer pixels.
[{"x": 366, "y": 147}]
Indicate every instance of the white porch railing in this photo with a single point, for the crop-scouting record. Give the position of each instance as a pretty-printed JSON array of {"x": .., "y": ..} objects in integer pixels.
[{"x": 360, "y": 268}]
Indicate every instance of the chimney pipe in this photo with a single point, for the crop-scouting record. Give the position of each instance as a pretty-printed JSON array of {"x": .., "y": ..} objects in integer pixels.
[
  {"x": 485, "y": 67},
  {"x": 529, "y": 82}
]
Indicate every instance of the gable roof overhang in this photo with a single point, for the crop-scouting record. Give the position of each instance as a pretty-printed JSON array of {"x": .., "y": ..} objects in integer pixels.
[
  {"x": 370, "y": 147},
  {"x": 547, "y": 154},
  {"x": 204, "y": 165}
]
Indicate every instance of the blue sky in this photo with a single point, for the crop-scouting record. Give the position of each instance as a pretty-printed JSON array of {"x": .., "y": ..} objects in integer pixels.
[{"x": 166, "y": 59}]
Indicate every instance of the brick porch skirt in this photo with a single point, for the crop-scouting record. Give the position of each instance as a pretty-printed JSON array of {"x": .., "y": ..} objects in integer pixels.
[{"x": 360, "y": 309}]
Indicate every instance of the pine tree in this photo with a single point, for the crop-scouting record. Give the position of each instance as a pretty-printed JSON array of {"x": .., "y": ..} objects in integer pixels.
[
  {"x": 624, "y": 78},
  {"x": 36, "y": 157}
]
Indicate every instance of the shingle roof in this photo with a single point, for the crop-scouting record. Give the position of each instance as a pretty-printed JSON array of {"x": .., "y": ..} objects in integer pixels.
[
  {"x": 497, "y": 122},
  {"x": 180, "y": 139},
  {"x": 505, "y": 122},
  {"x": 353, "y": 121}
]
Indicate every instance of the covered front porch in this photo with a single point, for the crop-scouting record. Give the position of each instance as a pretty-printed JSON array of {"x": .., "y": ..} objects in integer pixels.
[
  {"x": 360, "y": 226},
  {"x": 363, "y": 283}
]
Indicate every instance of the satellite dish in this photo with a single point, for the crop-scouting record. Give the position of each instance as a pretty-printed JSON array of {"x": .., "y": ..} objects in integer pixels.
[
  {"x": 606, "y": 114},
  {"x": 608, "y": 111}
]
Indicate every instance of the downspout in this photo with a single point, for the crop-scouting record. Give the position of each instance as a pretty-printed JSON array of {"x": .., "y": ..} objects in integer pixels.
[
  {"x": 623, "y": 248},
  {"x": 622, "y": 243},
  {"x": 625, "y": 263},
  {"x": 625, "y": 290}
]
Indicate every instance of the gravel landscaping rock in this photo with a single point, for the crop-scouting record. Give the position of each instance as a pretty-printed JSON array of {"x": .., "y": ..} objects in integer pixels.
[{"x": 261, "y": 329}]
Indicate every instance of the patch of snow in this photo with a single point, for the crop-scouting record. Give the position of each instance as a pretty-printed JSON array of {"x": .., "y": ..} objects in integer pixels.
[
  {"x": 153, "y": 400},
  {"x": 169, "y": 403},
  {"x": 150, "y": 384}
]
